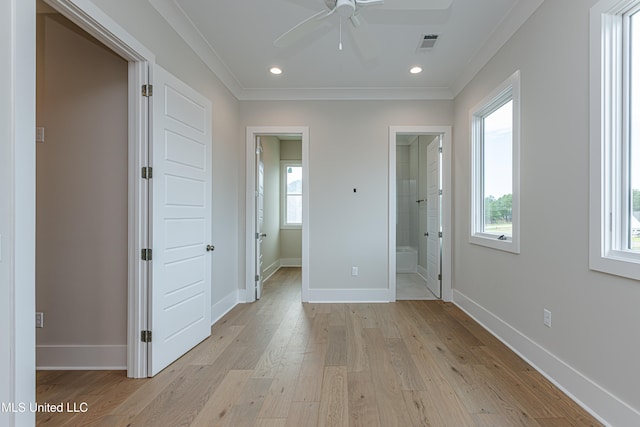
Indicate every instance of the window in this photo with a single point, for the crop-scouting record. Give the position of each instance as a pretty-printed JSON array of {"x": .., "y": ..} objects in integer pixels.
[
  {"x": 495, "y": 164},
  {"x": 633, "y": 181},
  {"x": 291, "y": 208},
  {"x": 614, "y": 217}
]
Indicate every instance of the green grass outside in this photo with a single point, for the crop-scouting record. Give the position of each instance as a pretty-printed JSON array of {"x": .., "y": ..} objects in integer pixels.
[{"x": 499, "y": 228}]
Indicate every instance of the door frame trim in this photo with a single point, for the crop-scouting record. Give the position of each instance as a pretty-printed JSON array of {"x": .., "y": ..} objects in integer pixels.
[
  {"x": 447, "y": 239},
  {"x": 94, "y": 21},
  {"x": 250, "y": 208}
]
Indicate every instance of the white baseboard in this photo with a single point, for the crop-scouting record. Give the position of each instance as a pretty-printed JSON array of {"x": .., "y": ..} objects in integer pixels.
[
  {"x": 81, "y": 357},
  {"x": 270, "y": 271},
  {"x": 225, "y": 305},
  {"x": 107, "y": 357},
  {"x": 291, "y": 262},
  {"x": 349, "y": 295},
  {"x": 283, "y": 262},
  {"x": 600, "y": 403},
  {"x": 422, "y": 272}
]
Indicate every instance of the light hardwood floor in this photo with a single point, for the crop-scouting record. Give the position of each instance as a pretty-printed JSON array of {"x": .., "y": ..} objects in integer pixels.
[{"x": 278, "y": 362}]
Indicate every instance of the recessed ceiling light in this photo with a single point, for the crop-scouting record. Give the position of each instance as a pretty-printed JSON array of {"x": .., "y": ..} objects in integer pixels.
[
  {"x": 415, "y": 70},
  {"x": 276, "y": 71}
]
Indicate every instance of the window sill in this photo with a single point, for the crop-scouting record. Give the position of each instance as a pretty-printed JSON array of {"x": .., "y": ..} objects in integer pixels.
[
  {"x": 291, "y": 227},
  {"x": 618, "y": 263},
  {"x": 492, "y": 241}
]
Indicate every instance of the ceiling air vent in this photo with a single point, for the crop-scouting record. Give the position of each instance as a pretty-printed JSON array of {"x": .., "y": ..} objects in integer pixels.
[{"x": 427, "y": 42}]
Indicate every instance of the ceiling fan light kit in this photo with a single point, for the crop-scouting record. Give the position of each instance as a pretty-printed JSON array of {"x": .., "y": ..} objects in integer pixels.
[{"x": 345, "y": 8}]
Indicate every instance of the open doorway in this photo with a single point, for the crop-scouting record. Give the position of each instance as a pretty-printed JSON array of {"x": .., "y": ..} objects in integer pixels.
[
  {"x": 119, "y": 42},
  {"x": 81, "y": 198},
  {"x": 419, "y": 212},
  {"x": 418, "y": 219},
  {"x": 277, "y": 205}
]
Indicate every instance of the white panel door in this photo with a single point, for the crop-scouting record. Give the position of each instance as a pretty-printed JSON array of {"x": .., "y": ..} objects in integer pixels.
[
  {"x": 180, "y": 283},
  {"x": 433, "y": 218},
  {"x": 259, "y": 216}
]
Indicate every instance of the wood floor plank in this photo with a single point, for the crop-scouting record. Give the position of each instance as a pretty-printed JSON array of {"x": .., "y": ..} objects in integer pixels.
[
  {"x": 271, "y": 422},
  {"x": 219, "y": 405},
  {"x": 303, "y": 414},
  {"x": 404, "y": 365},
  {"x": 334, "y": 401},
  {"x": 282, "y": 391},
  {"x": 248, "y": 405},
  {"x": 278, "y": 362},
  {"x": 357, "y": 360},
  {"x": 309, "y": 382},
  {"x": 385, "y": 320},
  {"x": 363, "y": 409},
  {"x": 507, "y": 379},
  {"x": 391, "y": 406},
  {"x": 213, "y": 347},
  {"x": 336, "y": 346},
  {"x": 182, "y": 400}
]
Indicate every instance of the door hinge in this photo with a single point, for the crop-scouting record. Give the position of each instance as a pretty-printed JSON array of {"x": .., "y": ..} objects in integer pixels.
[
  {"x": 440, "y": 234},
  {"x": 147, "y": 172},
  {"x": 146, "y": 254},
  {"x": 147, "y": 90},
  {"x": 440, "y": 191},
  {"x": 440, "y": 149},
  {"x": 145, "y": 336},
  {"x": 439, "y": 276},
  {"x": 257, "y": 277}
]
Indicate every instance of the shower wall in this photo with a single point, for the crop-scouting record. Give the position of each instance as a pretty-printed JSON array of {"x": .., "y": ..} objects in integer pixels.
[{"x": 407, "y": 226}]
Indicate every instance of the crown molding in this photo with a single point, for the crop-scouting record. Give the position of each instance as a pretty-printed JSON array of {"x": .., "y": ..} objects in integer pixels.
[{"x": 178, "y": 20}]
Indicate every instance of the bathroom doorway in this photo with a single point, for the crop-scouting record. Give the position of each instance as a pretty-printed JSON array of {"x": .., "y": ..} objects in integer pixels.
[{"x": 419, "y": 254}]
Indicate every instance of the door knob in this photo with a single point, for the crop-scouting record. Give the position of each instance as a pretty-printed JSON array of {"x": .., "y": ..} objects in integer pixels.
[
  {"x": 210, "y": 248},
  {"x": 263, "y": 235},
  {"x": 426, "y": 234}
]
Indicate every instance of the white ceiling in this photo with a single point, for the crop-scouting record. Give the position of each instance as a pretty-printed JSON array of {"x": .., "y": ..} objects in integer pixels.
[{"x": 235, "y": 39}]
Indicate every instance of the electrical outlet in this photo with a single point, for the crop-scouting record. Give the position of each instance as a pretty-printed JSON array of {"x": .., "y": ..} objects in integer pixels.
[
  {"x": 547, "y": 318},
  {"x": 39, "y": 319},
  {"x": 354, "y": 271}
]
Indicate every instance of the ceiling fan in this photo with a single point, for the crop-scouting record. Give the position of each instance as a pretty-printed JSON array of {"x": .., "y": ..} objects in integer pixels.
[{"x": 349, "y": 9}]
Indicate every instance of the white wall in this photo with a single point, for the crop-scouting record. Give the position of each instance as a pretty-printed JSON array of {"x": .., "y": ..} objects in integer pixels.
[
  {"x": 81, "y": 169},
  {"x": 348, "y": 148},
  {"x": 144, "y": 23},
  {"x": 592, "y": 347},
  {"x": 17, "y": 208}
]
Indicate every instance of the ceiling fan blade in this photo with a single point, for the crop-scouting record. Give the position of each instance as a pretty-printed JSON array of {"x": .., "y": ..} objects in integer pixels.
[
  {"x": 307, "y": 26},
  {"x": 363, "y": 39},
  {"x": 416, "y": 4},
  {"x": 368, "y": 2}
]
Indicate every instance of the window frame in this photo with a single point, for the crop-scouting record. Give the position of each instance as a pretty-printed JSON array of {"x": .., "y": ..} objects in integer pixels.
[
  {"x": 284, "y": 164},
  {"x": 609, "y": 210},
  {"x": 509, "y": 90}
]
